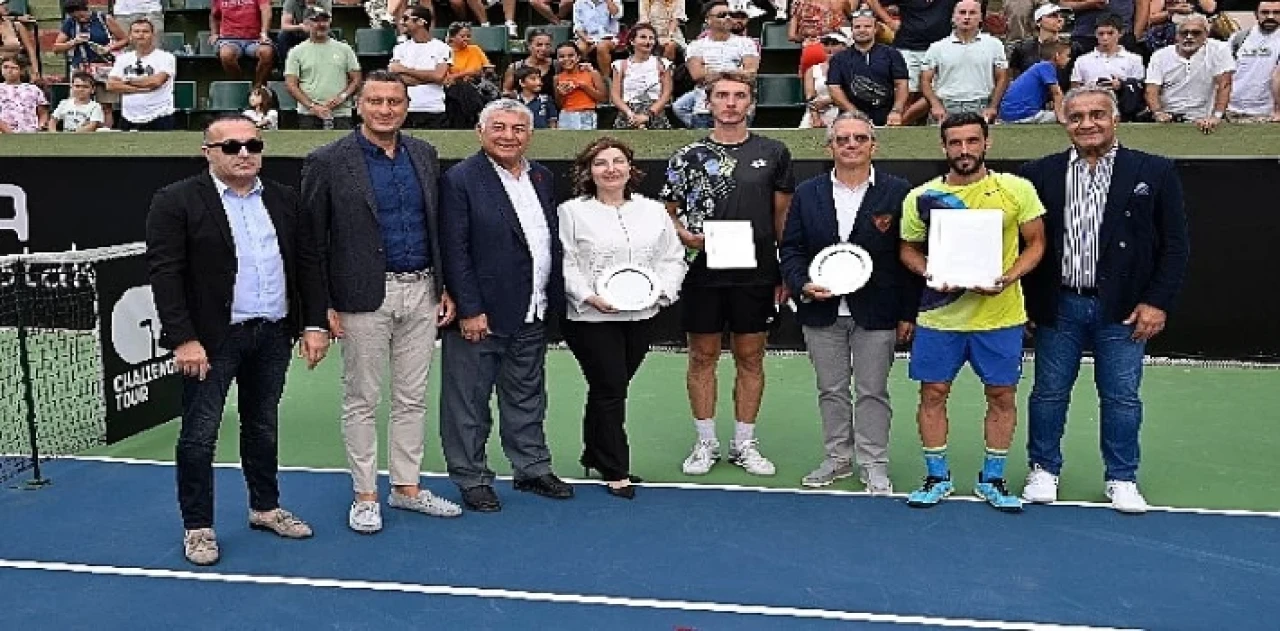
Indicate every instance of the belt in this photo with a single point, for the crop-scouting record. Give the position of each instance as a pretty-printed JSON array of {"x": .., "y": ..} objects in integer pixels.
[
  {"x": 253, "y": 322},
  {"x": 1091, "y": 292},
  {"x": 409, "y": 277}
]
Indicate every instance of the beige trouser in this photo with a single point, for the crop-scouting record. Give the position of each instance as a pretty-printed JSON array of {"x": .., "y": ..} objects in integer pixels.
[{"x": 402, "y": 331}]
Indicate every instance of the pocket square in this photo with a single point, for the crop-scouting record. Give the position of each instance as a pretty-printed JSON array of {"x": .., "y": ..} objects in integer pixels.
[{"x": 1142, "y": 189}]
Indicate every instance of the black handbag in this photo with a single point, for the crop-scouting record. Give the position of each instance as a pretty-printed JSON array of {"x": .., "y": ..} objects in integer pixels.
[{"x": 869, "y": 92}]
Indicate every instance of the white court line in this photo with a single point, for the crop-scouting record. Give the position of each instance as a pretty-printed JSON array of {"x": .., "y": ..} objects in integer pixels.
[
  {"x": 544, "y": 597},
  {"x": 689, "y": 486}
]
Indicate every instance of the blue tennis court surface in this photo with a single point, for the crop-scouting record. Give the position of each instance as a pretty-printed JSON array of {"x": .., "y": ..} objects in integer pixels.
[{"x": 102, "y": 548}]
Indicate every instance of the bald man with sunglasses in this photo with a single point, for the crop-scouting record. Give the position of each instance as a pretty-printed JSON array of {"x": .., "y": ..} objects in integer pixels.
[{"x": 235, "y": 287}]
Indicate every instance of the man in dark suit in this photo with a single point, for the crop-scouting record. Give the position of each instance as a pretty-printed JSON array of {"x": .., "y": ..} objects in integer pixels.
[
  {"x": 502, "y": 262},
  {"x": 235, "y": 284},
  {"x": 1117, "y": 255},
  {"x": 372, "y": 196},
  {"x": 851, "y": 337}
]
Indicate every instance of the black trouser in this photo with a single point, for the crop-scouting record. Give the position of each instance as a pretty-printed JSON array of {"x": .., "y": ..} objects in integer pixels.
[
  {"x": 427, "y": 120},
  {"x": 256, "y": 355},
  {"x": 609, "y": 353}
]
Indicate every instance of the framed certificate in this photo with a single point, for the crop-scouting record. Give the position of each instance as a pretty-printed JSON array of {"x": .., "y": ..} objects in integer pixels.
[{"x": 730, "y": 244}]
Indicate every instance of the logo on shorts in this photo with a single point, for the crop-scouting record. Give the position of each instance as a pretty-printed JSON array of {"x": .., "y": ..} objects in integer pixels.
[
  {"x": 883, "y": 222},
  {"x": 759, "y": 163},
  {"x": 135, "y": 326}
]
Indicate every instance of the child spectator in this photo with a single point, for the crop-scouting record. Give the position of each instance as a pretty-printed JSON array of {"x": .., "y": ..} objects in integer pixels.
[
  {"x": 262, "y": 108},
  {"x": 579, "y": 88},
  {"x": 79, "y": 113},
  {"x": 1024, "y": 100},
  {"x": 542, "y": 107}
]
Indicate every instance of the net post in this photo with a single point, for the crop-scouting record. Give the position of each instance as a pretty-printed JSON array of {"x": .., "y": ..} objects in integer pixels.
[{"x": 37, "y": 481}]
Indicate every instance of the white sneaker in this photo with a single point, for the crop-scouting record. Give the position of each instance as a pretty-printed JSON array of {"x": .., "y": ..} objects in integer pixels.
[
  {"x": 1041, "y": 486},
  {"x": 747, "y": 455},
  {"x": 424, "y": 502},
  {"x": 365, "y": 517},
  {"x": 1125, "y": 497},
  {"x": 705, "y": 453}
]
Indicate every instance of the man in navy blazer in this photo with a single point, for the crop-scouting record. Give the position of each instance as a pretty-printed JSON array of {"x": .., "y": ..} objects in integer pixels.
[
  {"x": 502, "y": 262},
  {"x": 1115, "y": 262},
  {"x": 851, "y": 337}
]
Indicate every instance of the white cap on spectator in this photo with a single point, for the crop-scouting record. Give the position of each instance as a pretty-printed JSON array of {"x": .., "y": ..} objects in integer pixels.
[
  {"x": 844, "y": 35},
  {"x": 1048, "y": 9}
]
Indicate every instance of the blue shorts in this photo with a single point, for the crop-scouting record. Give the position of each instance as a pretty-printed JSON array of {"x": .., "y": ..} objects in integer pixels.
[{"x": 996, "y": 355}]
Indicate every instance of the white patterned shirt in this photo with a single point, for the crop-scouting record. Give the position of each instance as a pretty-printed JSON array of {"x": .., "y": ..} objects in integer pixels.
[{"x": 1086, "y": 199}]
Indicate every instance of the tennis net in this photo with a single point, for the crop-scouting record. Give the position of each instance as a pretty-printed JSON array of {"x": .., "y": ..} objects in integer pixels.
[{"x": 51, "y": 361}]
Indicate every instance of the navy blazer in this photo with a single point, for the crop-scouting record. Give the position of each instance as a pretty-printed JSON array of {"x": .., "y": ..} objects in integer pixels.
[
  {"x": 1143, "y": 245},
  {"x": 892, "y": 294},
  {"x": 486, "y": 259},
  {"x": 344, "y": 215},
  {"x": 191, "y": 254}
]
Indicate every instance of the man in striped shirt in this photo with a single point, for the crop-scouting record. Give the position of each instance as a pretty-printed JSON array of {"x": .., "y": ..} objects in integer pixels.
[{"x": 1116, "y": 258}]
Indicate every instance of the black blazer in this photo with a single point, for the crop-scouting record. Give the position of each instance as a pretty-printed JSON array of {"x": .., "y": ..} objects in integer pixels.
[
  {"x": 892, "y": 295},
  {"x": 1143, "y": 245},
  {"x": 487, "y": 264},
  {"x": 192, "y": 260},
  {"x": 337, "y": 193}
]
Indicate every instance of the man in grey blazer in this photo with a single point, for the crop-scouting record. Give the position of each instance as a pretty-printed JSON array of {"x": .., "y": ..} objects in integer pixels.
[{"x": 373, "y": 198}]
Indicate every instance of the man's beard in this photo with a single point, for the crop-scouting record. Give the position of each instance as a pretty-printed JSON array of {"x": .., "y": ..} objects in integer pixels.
[
  {"x": 978, "y": 162},
  {"x": 1268, "y": 26}
]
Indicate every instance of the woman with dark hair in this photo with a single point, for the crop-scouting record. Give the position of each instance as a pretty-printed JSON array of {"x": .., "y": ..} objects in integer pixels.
[
  {"x": 641, "y": 87},
  {"x": 606, "y": 225},
  {"x": 538, "y": 43},
  {"x": 470, "y": 83},
  {"x": 91, "y": 39}
]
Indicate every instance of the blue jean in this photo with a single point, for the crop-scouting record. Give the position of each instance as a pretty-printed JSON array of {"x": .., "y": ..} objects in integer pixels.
[
  {"x": 1117, "y": 374},
  {"x": 256, "y": 356}
]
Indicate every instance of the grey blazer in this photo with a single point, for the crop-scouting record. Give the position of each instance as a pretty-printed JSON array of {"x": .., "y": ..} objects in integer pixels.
[{"x": 339, "y": 199}]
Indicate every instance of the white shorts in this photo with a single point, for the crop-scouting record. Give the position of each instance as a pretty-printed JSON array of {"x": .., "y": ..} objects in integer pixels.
[{"x": 915, "y": 63}]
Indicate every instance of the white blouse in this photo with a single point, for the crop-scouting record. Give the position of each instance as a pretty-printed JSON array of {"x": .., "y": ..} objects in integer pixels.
[{"x": 597, "y": 236}]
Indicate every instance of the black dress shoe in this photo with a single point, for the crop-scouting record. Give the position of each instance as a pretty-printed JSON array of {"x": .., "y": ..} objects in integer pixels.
[
  {"x": 634, "y": 479},
  {"x": 481, "y": 499},
  {"x": 627, "y": 492},
  {"x": 545, "y": 485}
]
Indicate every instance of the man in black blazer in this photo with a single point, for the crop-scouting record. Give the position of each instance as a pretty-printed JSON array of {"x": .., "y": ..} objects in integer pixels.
[
  {"x": 503, "y": 263},
  {"x": 235, "y": 283},
  {"x": 373, "y": 197},
  {"x": 1116, "y": 258},
  {"x": 851, "y": 337}
]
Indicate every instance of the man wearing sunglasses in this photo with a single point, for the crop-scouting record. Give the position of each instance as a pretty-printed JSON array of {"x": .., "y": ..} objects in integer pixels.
[
  {"x": 236, "y": 283},
  {"x": 851, "y": 336},
  {"x": 1190, "y": 80}
]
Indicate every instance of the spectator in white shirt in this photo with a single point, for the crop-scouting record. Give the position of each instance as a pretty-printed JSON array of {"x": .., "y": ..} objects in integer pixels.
[
  {"x": 719, "y": 51},
  {"x": 79, "y": 113},
  {"x": 1108, "y": 65},
  {"x": 1255, "y": 88},
  {"x": 423, "y": 62},
  {"x": 966, "y": 71},
  {"x": 144, "y": 79},
  {"x": 595, "y": 25},
  {"x": 1191, "y": 80}
]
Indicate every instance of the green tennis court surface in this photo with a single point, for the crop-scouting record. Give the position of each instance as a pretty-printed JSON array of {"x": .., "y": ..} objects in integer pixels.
[{"x": 1208, "y": 439}]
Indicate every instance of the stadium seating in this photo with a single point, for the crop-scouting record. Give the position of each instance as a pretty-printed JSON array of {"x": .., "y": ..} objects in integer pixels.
[
  {"x": 775, "y": 90},
  {"x": 371, "y": 41},
  {"x": 774, "y": 37},
  {"x": 184, "y": 96},
  {"x": 284, "y": 100},
  {"x": 229, "y": 96},
  {"x": 18, "y": 7},
  {"x": 173, "y": 42},
  {"x": 491, "y": 39}
]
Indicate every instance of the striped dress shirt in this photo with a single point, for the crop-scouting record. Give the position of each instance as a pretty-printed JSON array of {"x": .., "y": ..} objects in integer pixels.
[{"x": 1086, "y": 198}]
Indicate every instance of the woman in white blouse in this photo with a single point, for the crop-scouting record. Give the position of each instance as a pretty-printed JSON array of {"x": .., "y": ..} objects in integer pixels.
[{"x": 606, "y": 225}]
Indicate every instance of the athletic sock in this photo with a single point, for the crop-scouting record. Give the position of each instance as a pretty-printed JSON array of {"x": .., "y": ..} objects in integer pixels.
[
  {"x": 743, "y": 432},
  {"x": 993, "y": 465},
  {"x": 706, "y": 428},
  {"x": 935, "y": 462}
]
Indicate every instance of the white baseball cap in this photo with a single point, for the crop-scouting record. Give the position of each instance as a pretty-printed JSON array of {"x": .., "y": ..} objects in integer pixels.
[{"x": 1048, "y": 9}]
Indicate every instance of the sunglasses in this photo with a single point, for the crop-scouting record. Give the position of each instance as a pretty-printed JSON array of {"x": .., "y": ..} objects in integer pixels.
[
  {"x": 718, "y": 15},
  {"x": 855, "y": 139},
  {"x": 233, "y": 147}
]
